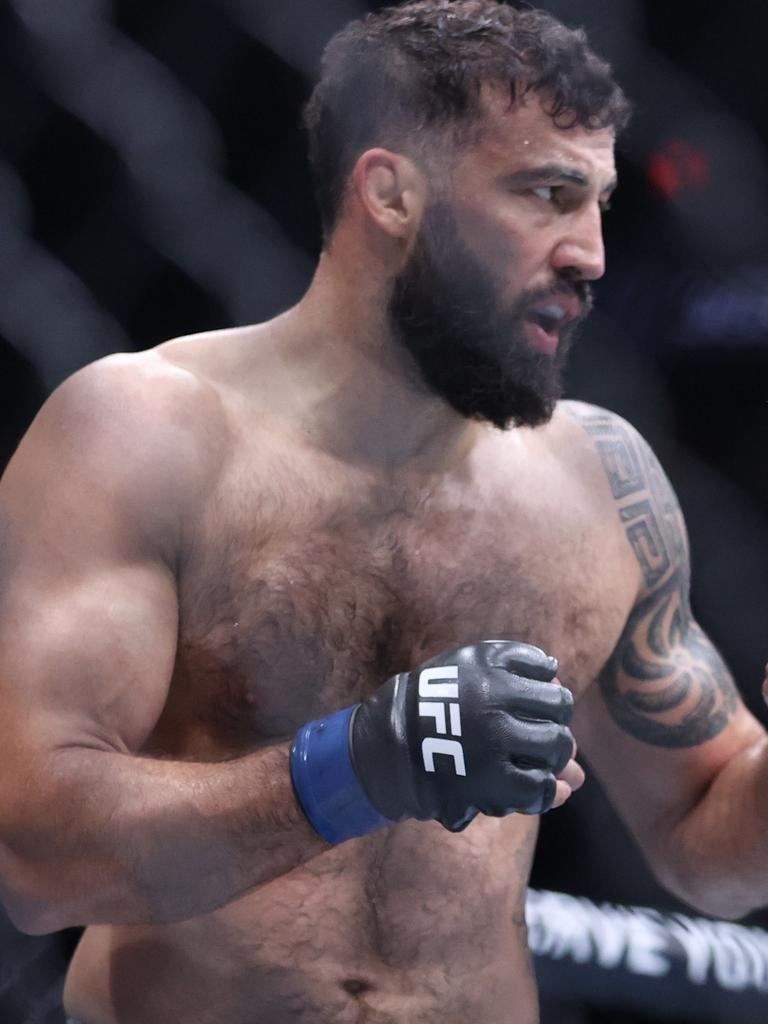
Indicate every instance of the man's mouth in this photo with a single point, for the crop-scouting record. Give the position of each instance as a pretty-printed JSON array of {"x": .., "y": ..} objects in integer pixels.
[
  {"x": 540, "y": 338},
  {"x": 546, "y": 320}
]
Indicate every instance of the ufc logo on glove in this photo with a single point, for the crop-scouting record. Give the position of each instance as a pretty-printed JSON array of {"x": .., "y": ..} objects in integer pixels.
[{"x": 433, "y": 707}]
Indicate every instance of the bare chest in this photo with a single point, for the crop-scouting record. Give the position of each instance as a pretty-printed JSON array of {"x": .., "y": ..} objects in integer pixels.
[{"x": 279, "y": 626}]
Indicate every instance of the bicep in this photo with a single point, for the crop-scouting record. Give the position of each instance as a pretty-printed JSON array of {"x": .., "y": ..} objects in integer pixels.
[
  {"x": 88, "y": 610},
  {"x": 664, "y": 715},
  {"x": 661, "y": 722},
  {"x": 665, "y": 683},
  {"x": 86, "y": 659}
]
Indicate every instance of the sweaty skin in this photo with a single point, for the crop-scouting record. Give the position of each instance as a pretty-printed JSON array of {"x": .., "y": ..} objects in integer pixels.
[
  {"x": 206, "y": 545},
  {"x": 307, "y": 581}
]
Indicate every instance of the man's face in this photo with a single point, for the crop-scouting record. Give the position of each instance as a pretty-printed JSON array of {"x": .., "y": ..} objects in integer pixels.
[{"x": 498, "y": 279}]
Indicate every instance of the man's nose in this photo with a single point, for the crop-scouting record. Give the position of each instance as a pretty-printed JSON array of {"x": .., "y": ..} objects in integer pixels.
[{"x": 580, "y": 250}]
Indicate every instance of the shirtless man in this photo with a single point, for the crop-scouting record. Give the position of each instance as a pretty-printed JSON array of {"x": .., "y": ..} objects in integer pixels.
[{"x": 213, "y": 550}]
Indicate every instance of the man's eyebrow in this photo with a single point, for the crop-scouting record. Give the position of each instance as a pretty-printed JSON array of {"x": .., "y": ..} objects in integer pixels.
[{"x": 551, "y": 174}]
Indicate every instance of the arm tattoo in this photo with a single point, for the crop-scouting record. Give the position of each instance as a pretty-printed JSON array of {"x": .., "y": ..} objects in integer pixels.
[{"x": 665, "y": 683}]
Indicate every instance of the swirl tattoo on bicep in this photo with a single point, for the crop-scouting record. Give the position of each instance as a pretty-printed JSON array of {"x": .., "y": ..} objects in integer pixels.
[{"x": 665, "y": 683}]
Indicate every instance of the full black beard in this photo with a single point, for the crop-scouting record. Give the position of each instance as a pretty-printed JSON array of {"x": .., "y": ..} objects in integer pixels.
[{"x": 446, "y": 313}]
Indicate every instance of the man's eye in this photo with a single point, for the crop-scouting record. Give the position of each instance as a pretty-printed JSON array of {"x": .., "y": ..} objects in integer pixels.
[{"x": 545, "y": 192}]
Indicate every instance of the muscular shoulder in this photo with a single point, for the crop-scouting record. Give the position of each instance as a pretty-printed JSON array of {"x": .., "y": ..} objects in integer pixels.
[
  {"x": 131, "y": 431},
  {"x": 597, "y": 450},
  {"x": 596, "y": 430},
  {"x": 643, "y": 498}
]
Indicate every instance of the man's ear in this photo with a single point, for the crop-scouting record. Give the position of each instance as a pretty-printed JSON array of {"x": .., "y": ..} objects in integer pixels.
[{"x": 391, "y": 190}]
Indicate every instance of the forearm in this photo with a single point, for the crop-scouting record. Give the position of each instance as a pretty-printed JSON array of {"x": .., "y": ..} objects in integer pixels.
[
  {"x": 127, "y": 840},
  {"x": 716, "y": 858}
]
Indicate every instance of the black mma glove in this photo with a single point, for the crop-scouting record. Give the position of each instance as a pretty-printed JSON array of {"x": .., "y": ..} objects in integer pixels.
[{"x": 480, "y": 729}]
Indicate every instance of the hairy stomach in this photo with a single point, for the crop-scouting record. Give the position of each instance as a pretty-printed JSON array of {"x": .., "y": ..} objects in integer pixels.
[{"x": 410, "y": 925}]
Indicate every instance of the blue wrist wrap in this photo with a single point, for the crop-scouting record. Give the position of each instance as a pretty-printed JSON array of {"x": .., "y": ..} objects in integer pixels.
[{"x": 325, "y": 782}]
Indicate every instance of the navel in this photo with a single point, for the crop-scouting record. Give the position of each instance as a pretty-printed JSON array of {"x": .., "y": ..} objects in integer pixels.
[{"x": 355, "y": 986}]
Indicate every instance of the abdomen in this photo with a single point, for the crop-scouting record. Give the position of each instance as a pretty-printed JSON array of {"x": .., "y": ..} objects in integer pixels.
[{"x": 409, "y": 925}]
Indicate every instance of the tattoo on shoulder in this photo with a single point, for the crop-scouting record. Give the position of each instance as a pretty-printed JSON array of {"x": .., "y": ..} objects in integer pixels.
[{"x": 665, "y": 683}]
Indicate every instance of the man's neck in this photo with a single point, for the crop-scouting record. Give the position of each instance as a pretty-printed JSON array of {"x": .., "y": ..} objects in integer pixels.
[{"x": 362, "y": 397}]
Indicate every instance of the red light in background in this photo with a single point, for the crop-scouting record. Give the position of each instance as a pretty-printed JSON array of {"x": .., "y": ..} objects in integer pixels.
[{"x": 679, "y": 168}]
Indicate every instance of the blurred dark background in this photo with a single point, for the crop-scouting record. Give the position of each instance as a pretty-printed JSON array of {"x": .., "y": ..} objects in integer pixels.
[{"x": 153, "y": 183}]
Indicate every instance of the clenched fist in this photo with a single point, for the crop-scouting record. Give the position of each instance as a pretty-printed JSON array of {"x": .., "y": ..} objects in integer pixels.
[{"x": 482, "y": 729}]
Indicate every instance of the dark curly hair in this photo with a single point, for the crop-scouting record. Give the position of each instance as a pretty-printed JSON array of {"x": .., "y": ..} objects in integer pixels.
[{"x": 390, "y": 77}]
